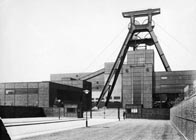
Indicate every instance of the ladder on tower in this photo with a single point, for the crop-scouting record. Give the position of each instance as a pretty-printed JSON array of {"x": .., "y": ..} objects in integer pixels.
[{"x": 130, "y": 41}]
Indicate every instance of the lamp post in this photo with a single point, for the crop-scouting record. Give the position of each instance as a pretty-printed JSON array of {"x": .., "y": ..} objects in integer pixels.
[
  {"x": 59, "y": 101},
  {"x": 104, "y": 112},
  {"x": 86, "y": 92},
  {"x": 119, "y": 113}
]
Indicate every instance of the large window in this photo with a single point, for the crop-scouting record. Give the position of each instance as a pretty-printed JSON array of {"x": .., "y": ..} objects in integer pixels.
[
  {"x": 116, "y": 97},
  {"x": 33, "y": 90},
  {"x": 9, "y": 91},
  {"x": 71, "y": 110},
  {"x": 134, "y": 110},
  {"x": 164, "y": 78},
  {"x": 21, "y": 90}
]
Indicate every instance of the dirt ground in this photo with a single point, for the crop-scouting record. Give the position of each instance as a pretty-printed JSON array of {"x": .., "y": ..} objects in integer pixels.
[{"x": 130, "y": 129}]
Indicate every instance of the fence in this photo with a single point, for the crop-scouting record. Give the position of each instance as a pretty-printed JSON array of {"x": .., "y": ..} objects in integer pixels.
[
  {"x": 19, "y": 112},
  {"x": 62, "y": 112},
  {"x": 183, "y": 117}
]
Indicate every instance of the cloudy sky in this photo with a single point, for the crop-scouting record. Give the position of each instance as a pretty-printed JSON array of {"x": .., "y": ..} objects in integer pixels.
[{"x": 40, "y": 37}]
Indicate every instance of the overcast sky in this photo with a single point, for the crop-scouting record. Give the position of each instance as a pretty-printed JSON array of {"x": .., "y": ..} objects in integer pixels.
[{"x": 40, "y": 37}]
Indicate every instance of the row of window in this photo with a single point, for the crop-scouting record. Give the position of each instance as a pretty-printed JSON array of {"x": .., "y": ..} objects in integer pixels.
[
  {"x": 172, "y": 86},
  {"x": 21, "y": 91},
  {"x": 115, "y": 98},
  {"x": 177, "y": 77},
  {"x": 132, "y": 110},
  {"x": 164, "y": 77},
  {"x": 71, "y": 110}
]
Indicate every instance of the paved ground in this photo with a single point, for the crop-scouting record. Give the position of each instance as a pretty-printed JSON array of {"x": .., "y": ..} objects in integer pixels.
[
  {"x": 18, "y": 129},
  {"x": 34, "y": 119},
  {"x": 130, "y": 129},
  {"x": 22, "y": 121}
]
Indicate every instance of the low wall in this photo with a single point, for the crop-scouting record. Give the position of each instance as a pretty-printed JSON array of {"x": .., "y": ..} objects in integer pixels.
[
  {"x": 155, "y": 113},
  {"x": 20, "y": 112},
  {"x": 183, "y": 117}
]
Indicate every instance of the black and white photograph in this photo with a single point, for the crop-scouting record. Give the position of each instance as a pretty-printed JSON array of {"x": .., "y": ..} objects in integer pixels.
[{"x": 97, "y": 70}]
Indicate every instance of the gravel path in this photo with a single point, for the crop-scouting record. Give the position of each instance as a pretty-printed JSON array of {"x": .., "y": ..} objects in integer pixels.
[{"x": 130, "y": 129}]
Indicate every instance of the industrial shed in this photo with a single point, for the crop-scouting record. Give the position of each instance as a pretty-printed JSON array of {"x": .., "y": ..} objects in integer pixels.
[{"x": 49, "y": 96}]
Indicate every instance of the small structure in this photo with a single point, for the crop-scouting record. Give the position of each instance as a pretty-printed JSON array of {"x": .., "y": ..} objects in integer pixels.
[{"x": 72, "y": 100}]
